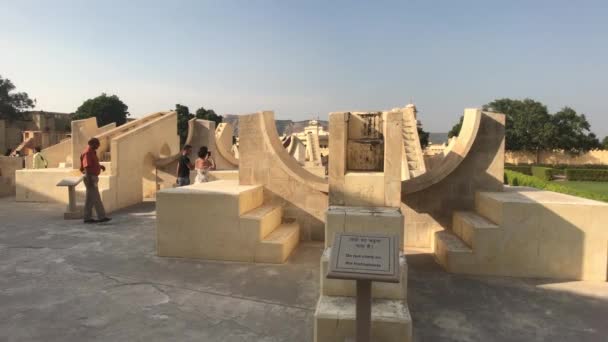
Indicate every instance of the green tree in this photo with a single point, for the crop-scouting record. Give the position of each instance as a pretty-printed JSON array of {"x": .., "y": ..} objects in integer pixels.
[
  {"x": 106, "y": 109},
  {"x": 605, "y": 143},
  {"x": 424, "y": 137},
  {"x": 183, "y": 116},
  {"x": 13, "y": 104},
  {"x": 528, "y": 124},
  {"x": 572, "y": 132},
  {"x": 208, "y": 114},
  {"x": 456, "y": 129}
]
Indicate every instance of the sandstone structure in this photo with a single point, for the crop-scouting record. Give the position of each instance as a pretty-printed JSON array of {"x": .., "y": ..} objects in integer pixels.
[
  {"x": 366, "y": 150},
  {"x": 35, "y": 128},
  {"x": 8, "y": 167},
  {"x": 258, "y": 218},
  {"x": 413, "y": 157},
  {"x": 128, "y": 152}
]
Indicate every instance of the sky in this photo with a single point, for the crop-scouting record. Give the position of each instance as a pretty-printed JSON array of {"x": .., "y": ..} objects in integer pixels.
[{"x": 304, "y": 59}]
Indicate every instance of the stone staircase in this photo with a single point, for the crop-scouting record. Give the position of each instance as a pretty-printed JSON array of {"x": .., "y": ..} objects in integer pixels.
[
  {"x": 277, "y": 237},
  {"x": 414, "y": 160},
  {"x": 527, "y": 233},
  {"x": 313, "y": 147},
  {"x": 223, "y": 220}
]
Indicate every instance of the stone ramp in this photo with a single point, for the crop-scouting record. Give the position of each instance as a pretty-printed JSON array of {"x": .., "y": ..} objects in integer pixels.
[
  {"x": 223, "y": 220},
  {"x": 525, "y": 232}
]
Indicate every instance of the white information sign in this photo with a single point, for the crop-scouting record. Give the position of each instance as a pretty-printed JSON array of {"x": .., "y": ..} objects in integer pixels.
[{"x": 364, "y": 256}]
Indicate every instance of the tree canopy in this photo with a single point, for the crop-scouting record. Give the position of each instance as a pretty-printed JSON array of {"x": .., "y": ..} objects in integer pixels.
[
  {"x": 423, "y": 136},
  {"x": 572, "y": 132},
  {"x": 456, "y": 129},
  {"x": 605, "y": 143},
  {"x": 13, "y": 104},
  {"x": 208, "y": 114},
  {"x": 106, "y": 109},
  {"x": 530, "y": 127},
  {"x": 183, "y": 116}
]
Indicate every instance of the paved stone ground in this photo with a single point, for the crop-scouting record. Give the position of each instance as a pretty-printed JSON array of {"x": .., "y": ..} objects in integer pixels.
[{"x": 66, "y": 281}]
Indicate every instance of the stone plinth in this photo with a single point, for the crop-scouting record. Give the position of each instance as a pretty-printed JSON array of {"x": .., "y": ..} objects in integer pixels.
[
  {"x": 222, "y": 220},
  {"x": 525, "y": 232},
  {"x": 363, "y": 220},
  {"x": 335, "y": 320}
]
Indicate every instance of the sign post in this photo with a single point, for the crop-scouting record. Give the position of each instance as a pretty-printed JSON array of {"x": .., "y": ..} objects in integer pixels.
[{"x": 364, "y": 258}]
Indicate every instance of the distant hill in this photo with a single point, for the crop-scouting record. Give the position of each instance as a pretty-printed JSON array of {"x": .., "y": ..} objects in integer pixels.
[
  {"x": 438, "y": 138},
  {"x": 283, "y": 126}
]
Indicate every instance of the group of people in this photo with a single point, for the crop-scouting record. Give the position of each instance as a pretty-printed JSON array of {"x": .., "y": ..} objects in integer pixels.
[
  {"x": 91, "y": 168},
  {"x": 203, "y": 164}
]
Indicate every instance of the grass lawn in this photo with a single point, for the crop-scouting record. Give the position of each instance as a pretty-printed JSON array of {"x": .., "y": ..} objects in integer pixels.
[{"x": 600, "y": 188}]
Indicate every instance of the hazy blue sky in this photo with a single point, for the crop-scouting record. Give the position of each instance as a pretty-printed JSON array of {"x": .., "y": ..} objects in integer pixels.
[{"x": 308, "y": 58}]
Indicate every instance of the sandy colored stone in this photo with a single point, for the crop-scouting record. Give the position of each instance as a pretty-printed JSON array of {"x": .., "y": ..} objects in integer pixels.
[{"x": 335, "y": 320}]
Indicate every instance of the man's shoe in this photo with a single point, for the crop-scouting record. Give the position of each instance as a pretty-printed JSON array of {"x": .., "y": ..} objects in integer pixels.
[
  {"x": 105, "y": 219},
  {"x": 90, "y": 221}
]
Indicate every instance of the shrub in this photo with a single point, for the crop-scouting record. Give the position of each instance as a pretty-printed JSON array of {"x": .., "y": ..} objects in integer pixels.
[
  {"x": 583, "y": 166},
  {"x": 594, "y": 175},
  {"x": 519, "y": 179},
  {"x": 544, "y": 173},
  {"x": 525, "y": 169},
  {"x": 565, "y": 166}
]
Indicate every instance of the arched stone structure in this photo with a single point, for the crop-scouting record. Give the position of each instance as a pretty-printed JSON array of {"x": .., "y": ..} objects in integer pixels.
[
  {"x": 474, "y": 163},
  {"x": 264, "y": 160}
]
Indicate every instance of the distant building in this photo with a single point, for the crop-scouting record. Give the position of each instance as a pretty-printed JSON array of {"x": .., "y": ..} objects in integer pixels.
[
  {"x": 47, "y": 128},
  {"x": 317, "y": 129}
]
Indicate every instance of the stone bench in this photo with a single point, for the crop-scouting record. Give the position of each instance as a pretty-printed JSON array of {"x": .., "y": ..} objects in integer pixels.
[{"x": 74, "y": 211}]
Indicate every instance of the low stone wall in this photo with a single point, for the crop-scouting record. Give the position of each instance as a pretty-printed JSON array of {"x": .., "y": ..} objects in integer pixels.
[
  {"x": 41, "y": 186},
  {"x": 54, "y": 155},
  {"x": 556, "y": 157},
  {"x": 8, "y": 167}
]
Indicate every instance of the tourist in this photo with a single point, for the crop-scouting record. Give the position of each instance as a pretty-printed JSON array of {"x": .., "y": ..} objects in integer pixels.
[
  {"x": 90, "y": 166},
  {"x": 38, "y": 161},
  {"x": 203, "y": 164},
  {"x": 184, "y": 166},
  {"x": 325, "y": 163}
]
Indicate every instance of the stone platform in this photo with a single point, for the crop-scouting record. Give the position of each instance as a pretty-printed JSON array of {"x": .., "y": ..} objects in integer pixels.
[
  {"x": 223, "y": 220},
  {"x": 524, "y": 232}
]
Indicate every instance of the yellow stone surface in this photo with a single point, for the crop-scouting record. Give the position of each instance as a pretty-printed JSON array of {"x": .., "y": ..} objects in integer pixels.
[
  {"x": 525, "y": 232},
  {"x": 222, "y": 220},
  {"x": 364, "y": 189},
  {"x": 379, "y": 220},
  {"x": 335, "y": 320}
]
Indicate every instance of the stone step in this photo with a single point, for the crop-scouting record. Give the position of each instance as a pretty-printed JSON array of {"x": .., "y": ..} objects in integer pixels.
[
  {"x": 347, "y": 288},
  {"x": 476, "y": 231},
  {"x": 276, "y": 246},
  {"x": 453, "y": 254},
  {"x": 262, "y": 221},
  {"x": 335, "y": 320}
]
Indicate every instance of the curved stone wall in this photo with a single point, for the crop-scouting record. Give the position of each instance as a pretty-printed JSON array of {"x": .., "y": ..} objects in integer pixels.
[
  {"x": 264, "y": 160},
  {"x": 474, "y": 163}
]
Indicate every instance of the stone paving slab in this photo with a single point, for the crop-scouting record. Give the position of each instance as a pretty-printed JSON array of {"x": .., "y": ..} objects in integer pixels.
[{"x": 66, "y": 281}]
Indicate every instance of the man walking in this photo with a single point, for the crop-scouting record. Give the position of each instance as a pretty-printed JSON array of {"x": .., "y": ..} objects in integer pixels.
[
  {"x": 184, "y": 166},
  {"x": 38, "y": 161},
  {"x": 89, "y": 165}
]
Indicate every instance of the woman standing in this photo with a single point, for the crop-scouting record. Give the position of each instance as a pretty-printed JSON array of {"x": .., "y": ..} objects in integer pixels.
[{"x": 203, "y": 164}]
